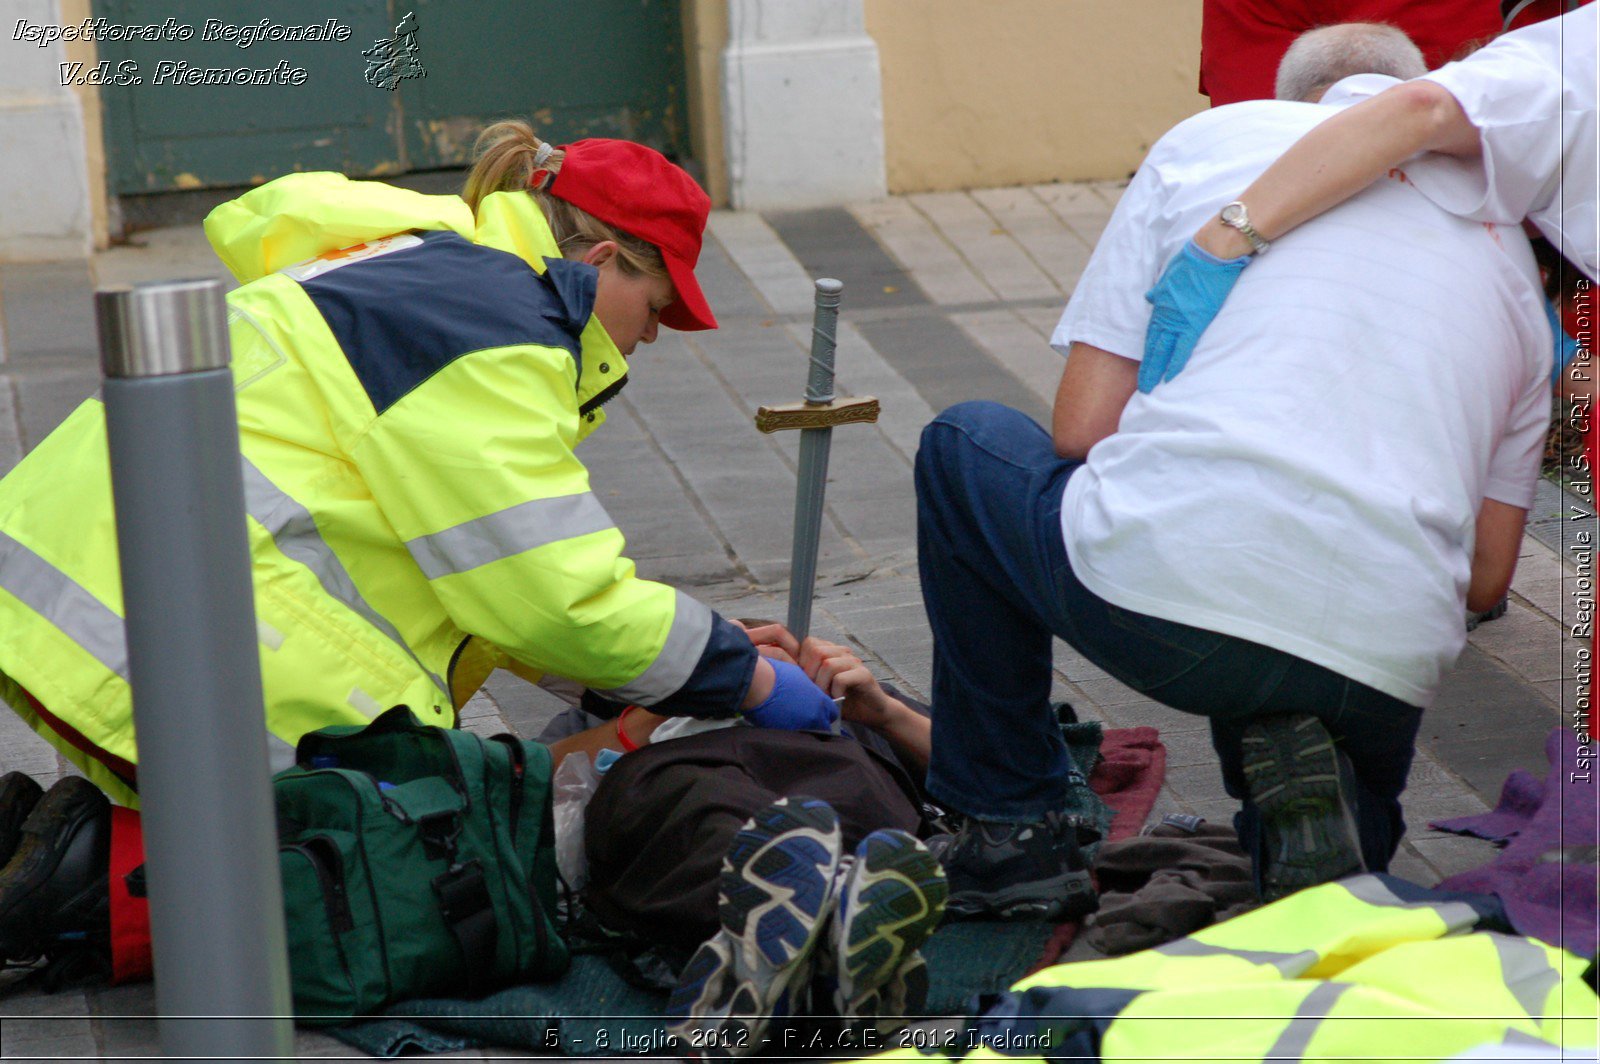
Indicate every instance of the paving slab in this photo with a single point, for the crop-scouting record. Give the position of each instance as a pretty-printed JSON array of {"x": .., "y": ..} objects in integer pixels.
[
  {"x": 1049, "y": 242},
  {"x": 992, "y": 252},
  {"x": 923, "y": 251},
  {"x": 829, "y": 242}
]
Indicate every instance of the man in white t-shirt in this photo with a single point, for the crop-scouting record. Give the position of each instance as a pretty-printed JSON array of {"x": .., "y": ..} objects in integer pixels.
[{"x": 1282, "y": 539}]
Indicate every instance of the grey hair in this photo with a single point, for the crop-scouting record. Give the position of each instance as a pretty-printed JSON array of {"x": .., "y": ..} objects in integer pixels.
[{"x": 1320, "y": 57}]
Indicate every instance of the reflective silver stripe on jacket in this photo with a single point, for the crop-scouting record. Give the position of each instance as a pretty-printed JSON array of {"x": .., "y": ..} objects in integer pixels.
[
  {"x": 294, "y": 530},
  {"x": 1456, "y": 915},
  {"x": 65, "y": 603},
  {"x": 1290, "y": 964},
  {"x": 507, "y": 532},
  {"x": 1526, "y": 969},
  {"x": 280, "y": 754},
  {"x": 686, "y": 641},
  {"x": 1313, "y": 1010}
]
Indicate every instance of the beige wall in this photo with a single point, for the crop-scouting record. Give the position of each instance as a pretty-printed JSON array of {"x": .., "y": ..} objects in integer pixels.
[
  {"x": 1007, "y": 92},
  {"x": 72, "y": 13},
  {"x": 705, "y": 32}
]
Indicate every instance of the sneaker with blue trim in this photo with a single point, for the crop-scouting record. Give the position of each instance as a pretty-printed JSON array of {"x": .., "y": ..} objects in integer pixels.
[
  {"x": 776, "y": 891},
  {"x": 1308, "y": 831},
  {"x": 1019, "y": 871},
  {"x": 888, "y": 904}
]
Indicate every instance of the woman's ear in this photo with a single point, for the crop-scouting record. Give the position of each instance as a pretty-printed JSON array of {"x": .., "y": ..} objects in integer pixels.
[{"x": 600, "y": 254}]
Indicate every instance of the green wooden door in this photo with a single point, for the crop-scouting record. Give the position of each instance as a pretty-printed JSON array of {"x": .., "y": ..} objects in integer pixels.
[{"x": 590, "y": 68}]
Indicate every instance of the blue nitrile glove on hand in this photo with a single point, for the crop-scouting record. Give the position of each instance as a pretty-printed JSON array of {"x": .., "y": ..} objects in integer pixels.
[
  {"x": 1187, "y": 297},
  {"x": 1566, "y": 348},
  {"x": 795, "y": 704}
]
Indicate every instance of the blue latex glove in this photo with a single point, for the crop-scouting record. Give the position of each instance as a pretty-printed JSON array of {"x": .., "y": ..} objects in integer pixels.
[
  {"x": 1187, "y": 297},
  {"x": 795, "y": 704},
  {"x": 1566, "y": 348}
]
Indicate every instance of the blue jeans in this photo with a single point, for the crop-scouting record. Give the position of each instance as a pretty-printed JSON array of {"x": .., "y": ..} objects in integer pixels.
[{"x": 997, "y": 585}]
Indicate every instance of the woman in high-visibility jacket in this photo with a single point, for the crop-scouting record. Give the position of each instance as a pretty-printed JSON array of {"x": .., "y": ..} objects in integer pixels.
[{"x": 413, "y": 373}]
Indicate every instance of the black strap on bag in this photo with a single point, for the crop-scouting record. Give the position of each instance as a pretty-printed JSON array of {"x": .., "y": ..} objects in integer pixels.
[{"x": 469, "y": 913}]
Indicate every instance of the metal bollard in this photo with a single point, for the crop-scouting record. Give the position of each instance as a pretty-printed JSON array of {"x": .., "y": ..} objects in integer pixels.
[{"x": 216, "y": 901}]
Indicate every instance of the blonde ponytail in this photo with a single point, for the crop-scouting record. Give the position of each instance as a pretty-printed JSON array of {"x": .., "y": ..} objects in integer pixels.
[{"x": 507, "y": 158}]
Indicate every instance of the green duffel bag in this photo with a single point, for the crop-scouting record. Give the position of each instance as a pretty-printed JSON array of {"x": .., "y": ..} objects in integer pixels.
[{"x": 417, "y": 861}]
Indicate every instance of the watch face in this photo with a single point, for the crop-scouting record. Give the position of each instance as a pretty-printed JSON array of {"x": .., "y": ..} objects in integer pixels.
[{"x": 1233, "y": 212}]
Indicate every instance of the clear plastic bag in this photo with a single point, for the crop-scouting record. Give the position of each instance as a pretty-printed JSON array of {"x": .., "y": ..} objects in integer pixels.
[{"x": 572, "y": 787}]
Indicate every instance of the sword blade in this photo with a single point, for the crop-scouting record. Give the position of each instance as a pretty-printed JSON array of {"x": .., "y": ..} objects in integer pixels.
[
  {"x": 811, "y": 485},
  {"x": 811, "y": 480}
]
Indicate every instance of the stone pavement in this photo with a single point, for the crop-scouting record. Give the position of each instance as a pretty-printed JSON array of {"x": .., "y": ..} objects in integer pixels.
[{"x": 948, "y": 296}]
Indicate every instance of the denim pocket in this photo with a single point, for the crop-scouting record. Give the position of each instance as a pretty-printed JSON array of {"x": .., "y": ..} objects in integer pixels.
[{"x": 1147, "y": 652}]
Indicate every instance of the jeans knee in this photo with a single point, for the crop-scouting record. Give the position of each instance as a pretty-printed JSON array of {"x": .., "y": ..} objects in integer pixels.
[
  {"x": 975, "y": 414},
  {"x": 968, "y": 420}
]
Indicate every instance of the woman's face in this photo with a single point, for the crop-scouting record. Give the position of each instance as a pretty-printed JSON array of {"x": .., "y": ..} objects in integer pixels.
[{"x": 628, "y": 305}]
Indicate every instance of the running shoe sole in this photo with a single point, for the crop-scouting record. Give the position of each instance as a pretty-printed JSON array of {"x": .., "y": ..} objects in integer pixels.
[
  {"x": 776, "y": 889},
  {"x": 888, "y": 905},
  {"x": 1308, "y": 832}
]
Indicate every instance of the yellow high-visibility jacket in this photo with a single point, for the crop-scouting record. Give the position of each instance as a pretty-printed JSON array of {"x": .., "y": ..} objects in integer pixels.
[
  {"x": 411, "y": 383},
  {"x": 1369, "y": 968}
]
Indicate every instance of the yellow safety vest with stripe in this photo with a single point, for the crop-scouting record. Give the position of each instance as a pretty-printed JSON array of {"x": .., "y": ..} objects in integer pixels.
[
  {"x": 1370, "y": 968},
  {"x": 411, "y": 383}
]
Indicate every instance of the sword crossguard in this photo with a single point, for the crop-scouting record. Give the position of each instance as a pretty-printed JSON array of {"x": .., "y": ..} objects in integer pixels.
[{"x": 860, "y": 410}]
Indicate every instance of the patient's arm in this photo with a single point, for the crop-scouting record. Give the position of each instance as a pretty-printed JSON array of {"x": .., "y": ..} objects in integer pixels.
[
  {"x": 1344, "y": 155},
  {"x": 837, "y": 670},
  {"x": 639, "y": 725}
]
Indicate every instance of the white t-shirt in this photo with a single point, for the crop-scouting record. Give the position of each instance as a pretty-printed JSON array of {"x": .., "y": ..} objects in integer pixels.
[
  {"x": 1531, "y": 94},
  {"x": 1311, "y": 480}
]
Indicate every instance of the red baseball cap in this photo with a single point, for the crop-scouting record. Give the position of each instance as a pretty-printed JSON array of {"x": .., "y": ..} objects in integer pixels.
[{"x": 638, "y": 190}]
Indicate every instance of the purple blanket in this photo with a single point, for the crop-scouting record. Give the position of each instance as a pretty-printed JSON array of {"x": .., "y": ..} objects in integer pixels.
[{"x": 1546, "y": 873}]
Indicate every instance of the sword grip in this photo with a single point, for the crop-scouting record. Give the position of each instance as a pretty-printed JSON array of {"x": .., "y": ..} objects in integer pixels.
[{"x": 824, "y": 340}]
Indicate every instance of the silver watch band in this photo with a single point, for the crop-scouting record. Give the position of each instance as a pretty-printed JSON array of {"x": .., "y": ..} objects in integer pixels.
[{"x": 1235, "y": 216}]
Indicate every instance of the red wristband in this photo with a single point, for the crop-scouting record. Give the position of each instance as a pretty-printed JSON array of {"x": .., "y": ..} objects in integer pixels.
[{"x": 627, "y": 744}]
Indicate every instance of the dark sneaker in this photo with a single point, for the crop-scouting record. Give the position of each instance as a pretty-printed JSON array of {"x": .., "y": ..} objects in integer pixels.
[
  {"x": 19, "y": 793},
  {"x": 775, "y": 894},
  {"x": 1308, "y": 832},
  {"x": 888, "y": 903},
  {"x": 1031, "y": 871},
  {"x": 55, "y": 888}
]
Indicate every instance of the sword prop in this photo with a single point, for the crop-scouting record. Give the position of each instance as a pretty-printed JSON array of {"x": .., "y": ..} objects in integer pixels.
[{"x": 815, "y": 418}]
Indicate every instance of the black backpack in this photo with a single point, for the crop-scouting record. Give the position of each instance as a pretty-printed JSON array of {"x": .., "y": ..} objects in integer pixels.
[{"x": 664, "y": 816}]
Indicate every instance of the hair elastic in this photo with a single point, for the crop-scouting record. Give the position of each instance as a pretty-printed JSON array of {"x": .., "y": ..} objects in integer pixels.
[{"x": 542, "y": 153}]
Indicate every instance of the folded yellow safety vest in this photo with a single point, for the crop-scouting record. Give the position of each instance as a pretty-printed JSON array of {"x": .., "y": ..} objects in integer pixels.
[{"x": 1371, "y": 968}]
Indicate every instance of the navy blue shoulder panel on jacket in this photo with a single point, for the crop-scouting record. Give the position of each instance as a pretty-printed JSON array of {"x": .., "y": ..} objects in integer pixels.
[{"x": 404, "y": 316}]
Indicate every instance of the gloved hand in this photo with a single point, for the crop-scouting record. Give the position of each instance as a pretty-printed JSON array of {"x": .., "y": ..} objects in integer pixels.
[
  {"x": 795, "y": 704},
  {"x": 1566, "y": 348},
  {"x": 1188, "y": 295}
]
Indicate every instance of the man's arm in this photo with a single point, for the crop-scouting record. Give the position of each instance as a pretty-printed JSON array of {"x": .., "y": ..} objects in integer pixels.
[
  {"x": 1331, "y": 163},
  {"x": 1095, "y": 386},
  {"x": 1494, "y": 553},
  {"x": 1344, "y": 155}
]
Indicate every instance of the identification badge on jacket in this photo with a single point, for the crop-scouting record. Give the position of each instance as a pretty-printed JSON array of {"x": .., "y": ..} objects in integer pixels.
[{"x": 332, "y": 260}]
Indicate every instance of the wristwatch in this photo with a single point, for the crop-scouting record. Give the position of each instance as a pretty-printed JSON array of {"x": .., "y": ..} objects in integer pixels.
[{"x": 1236, "y": 217}]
